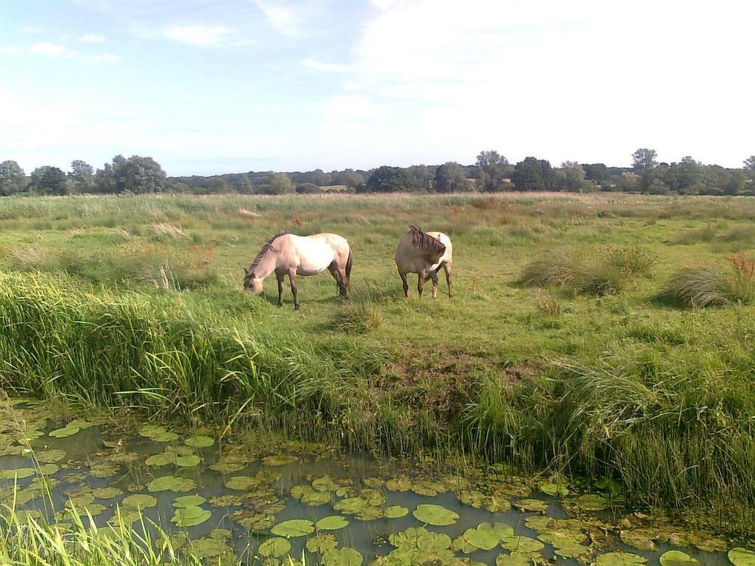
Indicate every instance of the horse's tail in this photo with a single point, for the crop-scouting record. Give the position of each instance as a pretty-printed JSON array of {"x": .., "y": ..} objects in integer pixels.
[{"x": 349, "y": 263}]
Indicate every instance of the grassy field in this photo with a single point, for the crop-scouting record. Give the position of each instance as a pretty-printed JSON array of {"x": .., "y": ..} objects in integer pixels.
[{"x": 597, "y": 335}]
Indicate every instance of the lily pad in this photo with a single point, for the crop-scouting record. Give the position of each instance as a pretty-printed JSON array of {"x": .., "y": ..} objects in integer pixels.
[
  {"x": 435, "y": 515},
  {"x": 188, "y": 461},
  {"x": 293, "y": 528},
  {"x": 64, "y": 432},
  {"x": 199, "y": 441},
  {"x": 641, "y": 539},
  {"x": 741, "y": 556},
  {"x": 531, "y": 505},
  {"x": 677, "y": 558},
  {"x": 139, "y": 501},
  {"x": 279, "y": 460},
  {"x": 275, "y": 547},
  {"x": 554, "y": 489},
  {"x": 345, "y": 556},
  {"x": 187, "y": 500},
  {"x": 331, "y": 523},
  {"x": 483, "y": 537},
  {"x": 107, "y": 492},
  {"x": 321, "y": 543},
  {"x": 18, "y": 473},
  {"x": 513, "y": 559},
  {"x": 620, "y": 559},
  {"x": 395, "y": 512},
  {"x": 401, "y": 483},
  {"x": 52, "y": 455},
  {"x": 190, "y": 516},
  {"x": 592, "y": 502},
  {"x": 521, "y": 544},
  {"x": 171, "y": 483},
  {"x": 161, "y": 459}
]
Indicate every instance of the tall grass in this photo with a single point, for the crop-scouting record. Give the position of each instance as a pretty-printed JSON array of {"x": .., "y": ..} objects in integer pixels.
[{"x": 709, "y": 285}]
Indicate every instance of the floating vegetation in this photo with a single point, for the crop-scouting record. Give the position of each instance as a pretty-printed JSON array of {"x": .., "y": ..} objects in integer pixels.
[
  {"x": 677, "y": 558},
  {"x": 435, "y": 514},
  {"x": 249, "y": 493},
  {"x": 293, "y": 528}
]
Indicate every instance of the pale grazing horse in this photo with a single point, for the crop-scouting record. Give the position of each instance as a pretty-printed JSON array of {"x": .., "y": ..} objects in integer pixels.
[
  {"x": 424, "y": 253},
  {"x": 300, "y": 255}
]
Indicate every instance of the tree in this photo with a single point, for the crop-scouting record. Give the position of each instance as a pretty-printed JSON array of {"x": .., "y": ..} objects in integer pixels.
[
  {"x": 533, "y": 174},
  {"x": 278, "y": 184},
  {"x": 143, "y": 175},
  {"x": 644, "y": 158},
  {"x": 81, "y": 177},
  {"x": 750, "y": 163},
  {"x": 12, "y": 178},
  {"x": 492, "y": 167},
  {"x": 388, "y": 179},
  {"x": 246, "y": 187},
  {"x": 451, "y": 178},
  {"x": 597, "y": 172},
  {"x": 572, "y": 177},
  {"x": 347, "y": 177},
  {"x": 47, "y": 180},
  {"x": 422, "y": 176}
]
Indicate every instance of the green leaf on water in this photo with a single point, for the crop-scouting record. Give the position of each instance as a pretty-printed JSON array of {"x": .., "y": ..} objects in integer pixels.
[
  {"x": 554, "y": 489},
  {"x": 64, "y": 432},
  {"x": 483, "y": 537},
  {"x": 190, "y": 516},
  {"x": 345, "y": 556},
  {"x": 279, "y": 460},
  {"x": 241, "y": 483},
  {"x": 52, "y": 455},
  {"x": 161, "y": 459},
  {"x": 187, "y": 500},
  {"x": 521, "y": 544},
  {"x": 677, "y": 558},
  {"x": 531, "y": 505},
  {"x": 620, "y": 559},
  {"x": 199, "y": 441},
  {"x": 435, "y": 515},
  {"x": 188, "y": 461},
  {"x": 275, "y": 547},
  {"x": 107, "y": 492},
  {"x": 741, "y": 556},
  {"x": 139, "y": 501},
  {"x": 513, "y": 559},
  {"x": 641, "y": 539},
  {"x": 592, "y": 502},
  {"x": 293, "y": 528},
  {"x": 171, "y": 483},
  {"x": 331, "y": 523},
  {"x": 19, "y": 473},
  {"x": 395, "y": 512},
  {"x": 321, "y": 543}
]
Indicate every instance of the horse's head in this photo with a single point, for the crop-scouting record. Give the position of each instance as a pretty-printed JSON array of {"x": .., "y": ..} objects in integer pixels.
[
  {"x": 436, "y": 252},
  {"x": 252, "y": 284}
]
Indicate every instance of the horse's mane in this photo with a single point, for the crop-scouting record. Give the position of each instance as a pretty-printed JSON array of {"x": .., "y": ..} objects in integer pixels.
[
  {"x": 266, "y": 247},
  {"x": 422, "y": 241}
]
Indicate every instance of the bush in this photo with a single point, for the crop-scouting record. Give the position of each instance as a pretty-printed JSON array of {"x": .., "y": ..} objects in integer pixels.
[{"x": 709, "y": 286}]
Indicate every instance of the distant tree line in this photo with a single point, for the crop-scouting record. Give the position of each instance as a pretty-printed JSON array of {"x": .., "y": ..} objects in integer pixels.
[{"x": 491, "y": 172}]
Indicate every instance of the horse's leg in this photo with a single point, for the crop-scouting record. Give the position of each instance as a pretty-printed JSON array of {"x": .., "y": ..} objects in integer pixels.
[
  {"x": 292, "y": 279},
  {"x": 447, "y": 269},
  {"x": 421, "y": 281},
  {"x": 404, "y": 283},
  {"x": 279, "y": 277},
  {"x": 340, "y": 276},
  {"x": 434, "y": 276}
]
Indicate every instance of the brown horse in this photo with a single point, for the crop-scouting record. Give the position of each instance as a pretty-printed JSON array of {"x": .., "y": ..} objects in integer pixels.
[
  {"x": 300, "y": 255},
  {"x": 424, "y": 254}
]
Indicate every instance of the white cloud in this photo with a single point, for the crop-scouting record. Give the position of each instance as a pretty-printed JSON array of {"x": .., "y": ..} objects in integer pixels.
[
  {"x": 199, "y": 35},
  {"x": 316, "y": 65},
  {"x": 102, "y": 58},
  {"x": 285, "y": 18},
  {"x": 11, "y": 50},
  {"x": 52, "y": 50},
  {"x": 92, "y": 38}
]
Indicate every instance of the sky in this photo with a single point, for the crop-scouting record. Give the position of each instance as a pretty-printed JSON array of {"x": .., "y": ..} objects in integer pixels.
[{"x": 210, "y": 87}]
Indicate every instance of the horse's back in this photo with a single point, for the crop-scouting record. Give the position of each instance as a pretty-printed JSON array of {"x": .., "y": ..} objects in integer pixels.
[{"x": 316, "y": 252}]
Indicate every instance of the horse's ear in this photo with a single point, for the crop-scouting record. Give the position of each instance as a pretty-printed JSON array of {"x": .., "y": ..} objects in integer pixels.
[{"x": 413, "y": 228}]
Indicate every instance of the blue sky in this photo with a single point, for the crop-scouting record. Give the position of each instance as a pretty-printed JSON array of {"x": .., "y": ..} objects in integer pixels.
[{"x": 209, "y": 87}]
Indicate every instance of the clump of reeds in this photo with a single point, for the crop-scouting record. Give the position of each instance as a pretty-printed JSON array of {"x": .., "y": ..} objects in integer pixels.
[
  {"x": 709, "y": 285},
  {"x": 604, "y": 275},
  {"x": 358, "y": 318}
]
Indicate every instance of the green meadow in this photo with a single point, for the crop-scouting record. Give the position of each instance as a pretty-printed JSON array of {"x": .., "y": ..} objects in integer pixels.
[{"x": 597, "y": 336}]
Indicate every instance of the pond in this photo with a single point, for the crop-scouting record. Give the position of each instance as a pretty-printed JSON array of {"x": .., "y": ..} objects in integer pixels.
[{"x": 260, "y": 498}]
